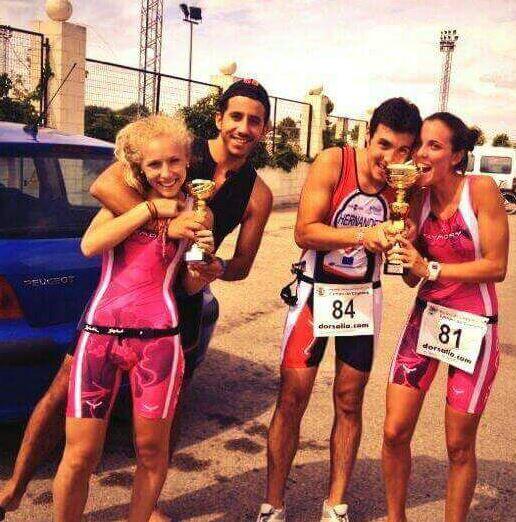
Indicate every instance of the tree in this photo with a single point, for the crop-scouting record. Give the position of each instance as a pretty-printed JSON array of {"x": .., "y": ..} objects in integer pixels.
[
  {"x": 104, "y": 123},
  {"x": 354, "y": 133},
  {"x": 288, "y": 129},
  {"x": 16, "y": 104},
  {"x": 200, "y": 117},
  {"x": 501, "y": 140}
]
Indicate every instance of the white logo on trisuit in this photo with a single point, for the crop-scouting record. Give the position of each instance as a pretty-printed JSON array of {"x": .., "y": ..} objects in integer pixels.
[
  {"x": 343, "y": 310},
  {"x": 360, "y": 210},
  {"x": 452, "y": 336}
]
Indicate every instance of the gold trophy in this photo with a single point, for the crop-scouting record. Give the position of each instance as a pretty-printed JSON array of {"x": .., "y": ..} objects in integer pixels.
[
  {"x": 400, "y": 176},
  {"x": 200, "y": 190}
]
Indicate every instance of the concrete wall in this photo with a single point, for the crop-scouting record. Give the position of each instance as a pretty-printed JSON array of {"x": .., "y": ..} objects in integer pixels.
[{"x": 286, "y": 186}]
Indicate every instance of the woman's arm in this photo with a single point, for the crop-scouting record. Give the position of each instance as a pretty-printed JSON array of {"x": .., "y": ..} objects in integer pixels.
[
  {"x": 416, "y": 202},
  {"x": 494, "y": 241},
  {"x": 106, "y": 231}
]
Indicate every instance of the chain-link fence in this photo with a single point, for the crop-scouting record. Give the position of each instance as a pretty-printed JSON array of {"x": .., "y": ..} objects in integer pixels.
[
  {"x": 341, "y": 130},
  {"x": 291, "y": 123},
  {"x": 23, "y": 57},
  {"x": 113, "y": 96},
  {"x": 117, "y": 87},
  {"x": 112, "y": 92}
]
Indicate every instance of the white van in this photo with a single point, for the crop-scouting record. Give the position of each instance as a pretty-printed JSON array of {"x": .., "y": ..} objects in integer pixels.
[{"x": 500, "y": 164}]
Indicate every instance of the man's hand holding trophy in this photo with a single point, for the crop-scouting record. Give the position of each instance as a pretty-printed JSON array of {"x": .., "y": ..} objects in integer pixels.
[{"x": 400, "y": 176}]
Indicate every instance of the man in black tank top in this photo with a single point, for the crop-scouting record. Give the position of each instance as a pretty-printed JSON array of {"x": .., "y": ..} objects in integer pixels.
[{"x": 240, "y": 198}]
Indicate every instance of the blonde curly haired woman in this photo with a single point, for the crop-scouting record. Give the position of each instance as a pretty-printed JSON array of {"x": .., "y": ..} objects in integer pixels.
[{"x": 131, "y": 323}]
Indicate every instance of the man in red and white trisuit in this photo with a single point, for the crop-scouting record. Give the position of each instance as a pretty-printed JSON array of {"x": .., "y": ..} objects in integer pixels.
[{"x": 341, "y": 228}]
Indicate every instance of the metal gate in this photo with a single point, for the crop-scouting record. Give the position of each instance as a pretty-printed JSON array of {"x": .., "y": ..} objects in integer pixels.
[{"x": 24, "y": 60}]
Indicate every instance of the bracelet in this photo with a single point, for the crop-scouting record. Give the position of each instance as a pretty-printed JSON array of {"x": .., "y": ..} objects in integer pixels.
[{"x": 223, "y": 263}]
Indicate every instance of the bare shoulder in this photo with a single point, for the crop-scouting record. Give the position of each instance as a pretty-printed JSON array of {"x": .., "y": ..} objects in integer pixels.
[
  {"x": 260, "y": 202},
  {"x": 328, "y": 159},
  {"x": 479, "y": 184},
  {"x": 484, "y": 191}
]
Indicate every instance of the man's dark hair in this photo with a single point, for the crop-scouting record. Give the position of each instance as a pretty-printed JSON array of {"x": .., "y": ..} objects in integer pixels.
[
  {"x": 399, "y": 115},
  {"x": 250, "y": 89}
]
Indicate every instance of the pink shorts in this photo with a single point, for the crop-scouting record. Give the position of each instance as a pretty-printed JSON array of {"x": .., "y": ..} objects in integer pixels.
[
  {"x": 466, "y": 393},
  {"x": 155, "y": 368}
]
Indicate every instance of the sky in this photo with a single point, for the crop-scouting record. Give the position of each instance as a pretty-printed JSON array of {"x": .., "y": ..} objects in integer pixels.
[{"x": 361, "y": 51}]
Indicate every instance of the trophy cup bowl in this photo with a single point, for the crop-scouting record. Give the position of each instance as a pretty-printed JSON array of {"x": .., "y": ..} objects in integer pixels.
[
  {"x": 201, "y": 190},
  {"x": 400, "y": 176}
]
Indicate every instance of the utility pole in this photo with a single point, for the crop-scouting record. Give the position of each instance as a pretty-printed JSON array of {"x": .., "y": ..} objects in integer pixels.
[{"x": 446, "y": 46}]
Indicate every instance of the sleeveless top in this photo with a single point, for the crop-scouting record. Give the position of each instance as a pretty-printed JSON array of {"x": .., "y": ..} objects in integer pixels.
[
  {"x": 455, "y": 240},
  {"x": 350, "y": 207},
  {"x": 136, "y": 283},
  {"x": 228, "y": 204}
]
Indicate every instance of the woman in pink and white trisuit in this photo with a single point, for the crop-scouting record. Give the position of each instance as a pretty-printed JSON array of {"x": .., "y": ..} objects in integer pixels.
[
  {"x": 459, "y": 253},
  {"x": 131, "y": 323}
]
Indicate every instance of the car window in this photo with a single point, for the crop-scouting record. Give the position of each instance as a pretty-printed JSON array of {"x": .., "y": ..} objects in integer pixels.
[
  {"x": 495, "y": 164},
  {"x": 44, "y": 197}
]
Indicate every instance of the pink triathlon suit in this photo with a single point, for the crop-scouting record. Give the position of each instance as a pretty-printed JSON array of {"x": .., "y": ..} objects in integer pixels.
[
  {"x": 453, "y": 240},
  {"x": 131, "y": 325}
]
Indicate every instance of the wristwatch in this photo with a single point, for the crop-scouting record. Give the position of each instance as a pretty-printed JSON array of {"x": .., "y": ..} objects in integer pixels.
[{"x": 434, "y": 269}]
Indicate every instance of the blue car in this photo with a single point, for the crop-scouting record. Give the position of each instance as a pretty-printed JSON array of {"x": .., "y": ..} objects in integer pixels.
[{"x": 45, "y": 281}]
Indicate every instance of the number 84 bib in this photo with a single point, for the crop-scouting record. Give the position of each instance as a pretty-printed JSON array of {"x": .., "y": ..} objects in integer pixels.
[
  {"x": 452, "y": 336},
  {"x": 343, "y": 310}
]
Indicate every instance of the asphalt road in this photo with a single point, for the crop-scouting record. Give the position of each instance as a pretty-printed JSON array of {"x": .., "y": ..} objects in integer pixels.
[{"x": 218, "y": 471}]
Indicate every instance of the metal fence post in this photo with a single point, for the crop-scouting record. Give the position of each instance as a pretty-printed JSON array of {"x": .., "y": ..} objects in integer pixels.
[
  {"x": 274, "y": 126},
  {"x": 158, "y": 92},
  {"x": 309, "y": 134}
]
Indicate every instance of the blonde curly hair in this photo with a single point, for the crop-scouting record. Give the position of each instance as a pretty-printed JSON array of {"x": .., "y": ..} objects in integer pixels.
[{"x": 130, "y": 142}]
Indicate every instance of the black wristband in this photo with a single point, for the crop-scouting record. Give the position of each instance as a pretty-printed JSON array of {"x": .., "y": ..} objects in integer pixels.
[{"x": 223, "y": 263}]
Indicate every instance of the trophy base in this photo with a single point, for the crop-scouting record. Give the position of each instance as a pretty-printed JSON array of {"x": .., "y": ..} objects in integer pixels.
[
  {"x": 195, "y": 255},
  {"x": 393, "y": 269}
]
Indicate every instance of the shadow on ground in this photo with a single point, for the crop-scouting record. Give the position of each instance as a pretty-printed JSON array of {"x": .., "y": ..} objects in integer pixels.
[
  {"x": 234, "y": 499},
  {"x": 227, "y": 391}
]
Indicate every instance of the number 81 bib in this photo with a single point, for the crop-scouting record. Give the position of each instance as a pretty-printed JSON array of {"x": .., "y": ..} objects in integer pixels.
[
  {"x": 343, "y": 310},
  {"x": 452, "y": 336}
]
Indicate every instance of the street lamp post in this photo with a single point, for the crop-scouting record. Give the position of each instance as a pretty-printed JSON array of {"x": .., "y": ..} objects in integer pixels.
[{"x": 192, "y": 15}]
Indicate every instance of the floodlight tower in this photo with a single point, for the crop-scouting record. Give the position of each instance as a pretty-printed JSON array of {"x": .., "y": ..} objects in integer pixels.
[
  {"x": 192, "y": 15},
  {"x": 151, "y": 26},
  {"x": 446, "y": 46}
]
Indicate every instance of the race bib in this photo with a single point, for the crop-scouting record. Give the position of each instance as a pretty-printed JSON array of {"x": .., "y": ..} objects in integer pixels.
[
  {"x": 452, "y": 336},
  {"x": 343, "y": 310}
]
